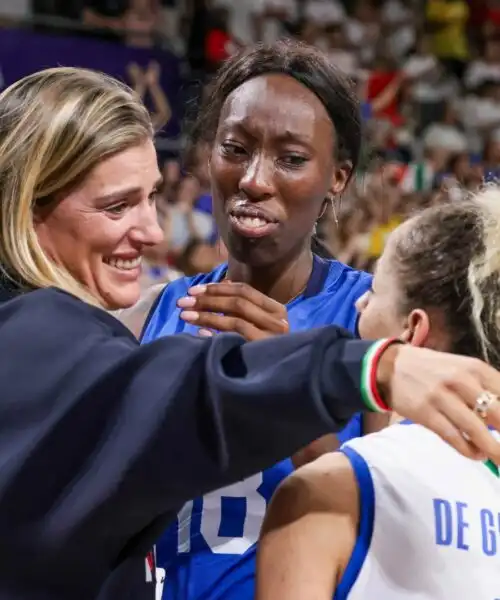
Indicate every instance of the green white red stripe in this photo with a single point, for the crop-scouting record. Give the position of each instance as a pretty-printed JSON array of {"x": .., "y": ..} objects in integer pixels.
[
  {"x": 369, "y": 392},
  {"x": 492, "y": 467},
  {"x": 489, "y": 464}
]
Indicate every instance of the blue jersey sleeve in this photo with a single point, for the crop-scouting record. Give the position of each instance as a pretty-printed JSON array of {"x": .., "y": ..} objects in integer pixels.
[{"x": 164, "y": 316}]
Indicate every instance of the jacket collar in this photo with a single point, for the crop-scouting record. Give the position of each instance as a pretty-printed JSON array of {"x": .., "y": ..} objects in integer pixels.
[{"x": 9, "y": 289}]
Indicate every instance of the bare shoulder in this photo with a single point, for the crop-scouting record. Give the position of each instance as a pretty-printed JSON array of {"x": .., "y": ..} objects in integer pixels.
[
  {"x": 325, "y": 484},
  {"x": 135, "y": 317}
]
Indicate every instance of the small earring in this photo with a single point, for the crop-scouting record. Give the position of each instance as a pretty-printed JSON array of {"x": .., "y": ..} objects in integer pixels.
[
  {"x": 335, "y": 218},
  {"x": 325, "y": 205}
]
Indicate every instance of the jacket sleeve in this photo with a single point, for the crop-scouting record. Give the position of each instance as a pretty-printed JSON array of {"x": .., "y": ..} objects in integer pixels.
[{"x": 114, "y": 433}]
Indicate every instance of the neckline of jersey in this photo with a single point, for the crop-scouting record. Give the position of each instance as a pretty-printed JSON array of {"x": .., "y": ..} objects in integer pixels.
[{"x": 489, "y": 464}]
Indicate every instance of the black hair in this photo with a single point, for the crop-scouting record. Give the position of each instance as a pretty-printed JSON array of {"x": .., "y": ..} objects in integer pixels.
[
  {"x": 311, "y": 68},
  {"x": 307, "y": 65}
]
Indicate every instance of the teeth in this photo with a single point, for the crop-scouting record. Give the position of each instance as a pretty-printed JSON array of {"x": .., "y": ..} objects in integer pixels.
[
  {"x": 252, "y": 222},
  {"x": 125, "y": 265}
]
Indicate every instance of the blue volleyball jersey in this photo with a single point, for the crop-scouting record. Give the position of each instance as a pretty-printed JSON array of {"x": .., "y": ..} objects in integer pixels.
[{"x": 209, "y": 553}]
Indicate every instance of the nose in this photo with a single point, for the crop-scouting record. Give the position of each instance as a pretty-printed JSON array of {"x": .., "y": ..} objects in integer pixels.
[
  {"x": 257, "y": 180},
  {"x": 148, "y": 231}
]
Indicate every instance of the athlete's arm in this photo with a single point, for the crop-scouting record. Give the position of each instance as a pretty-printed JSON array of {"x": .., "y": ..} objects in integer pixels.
[{"x": 309, "y": 532}]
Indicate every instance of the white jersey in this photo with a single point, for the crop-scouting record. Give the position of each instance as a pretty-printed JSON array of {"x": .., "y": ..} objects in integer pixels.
[{"x": 429, "y": 522}]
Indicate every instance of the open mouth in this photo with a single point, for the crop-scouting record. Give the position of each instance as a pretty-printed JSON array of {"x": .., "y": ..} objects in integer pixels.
[
  {"x": 124, "y": 264},
  {"x": 252, "y": 222}
]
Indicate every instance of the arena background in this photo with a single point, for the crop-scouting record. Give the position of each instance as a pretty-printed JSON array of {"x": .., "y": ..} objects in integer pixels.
[{"x": 427, "y": 74}]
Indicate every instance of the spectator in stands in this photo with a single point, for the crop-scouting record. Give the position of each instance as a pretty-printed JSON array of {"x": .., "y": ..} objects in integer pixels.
[
  {"x": 272, "y": 17},
  {"x": 338, "y": 51},
  {"x": 420, "y": 175},
  {"x": 363, "y": 29},
  {"x": 105, "y": 16},
  {"x": 384, "y": 86},
  {"x": 486, "y": 67},
  {"x": 321, "y": 14},
  {"x": 447, "y": 133},
  {"x": 240, "y": 19},
  {"x": 219, "y": 42},
  {"x": 147, "y": 82},
  {"x": 143, "y": 23},
  {"x": 480, "y": 112},
  {"x": 431, "y": 83},
  {"x": 447, "y": 22},
  {"x": 399, "y": 25}
]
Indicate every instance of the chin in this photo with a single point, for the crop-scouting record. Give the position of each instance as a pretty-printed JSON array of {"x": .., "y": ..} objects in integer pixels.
[
  {"x": 253, "y": 252},
  {"x": 123, "y": 297}
]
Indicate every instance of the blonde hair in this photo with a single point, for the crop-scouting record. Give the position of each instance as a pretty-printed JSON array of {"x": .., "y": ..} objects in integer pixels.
[
  {"x": 484, "y": 275},
  {"x": 55, "y": 127},
  {"x": 448, "y": 258}
]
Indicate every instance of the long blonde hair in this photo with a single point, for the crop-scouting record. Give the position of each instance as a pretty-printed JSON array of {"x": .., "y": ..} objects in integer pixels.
[{"x": 55, "y": 127}]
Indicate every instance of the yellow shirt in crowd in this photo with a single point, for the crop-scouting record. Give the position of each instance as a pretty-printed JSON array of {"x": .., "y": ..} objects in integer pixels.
[
  {"x": 450, "y": 40},
  {"x": 379, "y": 235}
]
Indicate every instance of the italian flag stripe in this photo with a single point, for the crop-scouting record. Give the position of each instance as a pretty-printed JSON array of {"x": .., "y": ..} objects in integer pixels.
[{"x": 369, "y": 392}]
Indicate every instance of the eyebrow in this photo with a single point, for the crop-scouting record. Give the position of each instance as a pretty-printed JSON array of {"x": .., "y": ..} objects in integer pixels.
[
  {"x": 290, "y": 136},
  {"x": 126, "y": 192},
  {"x": 243, "y": 126}
]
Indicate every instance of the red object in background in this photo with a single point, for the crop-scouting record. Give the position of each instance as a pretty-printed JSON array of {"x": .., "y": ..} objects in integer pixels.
[
  {"x": 216, "y": 46},
  {"x": 377, "y": 82},
  {"x": 493, "y": 15},
  {"x": 478, "y": 13}
]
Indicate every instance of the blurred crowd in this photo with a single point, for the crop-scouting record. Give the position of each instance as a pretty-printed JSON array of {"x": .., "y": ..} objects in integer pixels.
[{"x": 427, "y": 73}]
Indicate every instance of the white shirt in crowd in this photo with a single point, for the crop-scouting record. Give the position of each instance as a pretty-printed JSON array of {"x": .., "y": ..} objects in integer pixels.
[
  {"x": 324, "y": 12},
  {"x": 363, "y": 36},
  {"x": 241, "y": 13},
  {"x": 403, "y": 38},
  {"x": 273, "y": 28},
  {"x": 479, "y": 71},
  {"x": 420, "y": 65},
  {"x": 344, "y": 60},
  {"x": 445, "y": 137},
  {"x": 480, "y": 112}
]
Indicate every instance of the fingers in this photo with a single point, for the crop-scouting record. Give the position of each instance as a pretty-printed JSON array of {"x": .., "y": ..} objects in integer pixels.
[
  {"x": 235, "y": 307},
  {"x": 467, "y": 387},
  {"x": 241, "y": 308},
  {"x": 442, "y": 426},
  {"x": 489, "y": 379},
  {"x": 240, "y": 290},
  {"x": 468, "y": 433},
  {"x": 473, "y": 381},
  {"x": 493, "y": 418},
  {"x": 211, "y": 321}
]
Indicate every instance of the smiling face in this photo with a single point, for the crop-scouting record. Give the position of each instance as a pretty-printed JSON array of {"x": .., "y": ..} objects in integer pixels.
[
  {"x": 272, "y": 166},
  {"x": 98, "y": 231}
]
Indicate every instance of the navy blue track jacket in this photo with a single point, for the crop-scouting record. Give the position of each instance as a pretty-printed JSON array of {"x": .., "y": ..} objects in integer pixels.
[{"x": 103, "y": 440}]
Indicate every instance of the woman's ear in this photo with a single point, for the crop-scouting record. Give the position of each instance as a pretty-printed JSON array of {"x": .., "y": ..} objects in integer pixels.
[
  {"x": 417, "y": 328},
  {"x": 340, "y": 178}
]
